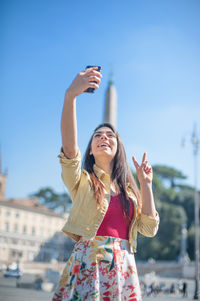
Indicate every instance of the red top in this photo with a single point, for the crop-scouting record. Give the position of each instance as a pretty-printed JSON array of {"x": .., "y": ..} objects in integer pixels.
[{"x": 114, "y": 223}]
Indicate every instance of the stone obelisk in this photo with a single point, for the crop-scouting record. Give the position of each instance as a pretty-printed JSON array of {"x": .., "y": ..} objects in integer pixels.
[{"x": 110, "y": 110}]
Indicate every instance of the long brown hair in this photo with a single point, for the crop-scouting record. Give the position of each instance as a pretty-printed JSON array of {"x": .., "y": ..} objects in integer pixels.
[{"x": 121, "y": 173}]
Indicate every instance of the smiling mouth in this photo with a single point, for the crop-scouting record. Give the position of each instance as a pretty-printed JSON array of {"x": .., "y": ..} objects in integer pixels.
[{"x": 104, "y": 145}]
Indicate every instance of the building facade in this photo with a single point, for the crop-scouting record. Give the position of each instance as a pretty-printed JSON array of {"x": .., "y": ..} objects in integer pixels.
[{"x": 26, "y": 227}]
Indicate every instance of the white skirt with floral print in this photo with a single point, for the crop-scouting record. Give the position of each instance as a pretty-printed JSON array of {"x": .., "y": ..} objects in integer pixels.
[{"x": 99, "y": 269}]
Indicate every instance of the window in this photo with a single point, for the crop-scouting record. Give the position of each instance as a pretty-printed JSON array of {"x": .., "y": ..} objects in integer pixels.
[
  {"x": 7, "y": 226},
  {"x": 24, "y": 229},
  {"x": 33, "y": 230},
  {"x": 17, "y": 214},
  {"x": 13, "y": 253},
  {"x": 8, "y": 213},
  {"x": 30, "y": 256},
  {"x": 15, "y": 227}
]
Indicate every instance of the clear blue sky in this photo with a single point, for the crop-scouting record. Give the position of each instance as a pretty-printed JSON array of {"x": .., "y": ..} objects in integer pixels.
[{"x": 153, "y": 48}]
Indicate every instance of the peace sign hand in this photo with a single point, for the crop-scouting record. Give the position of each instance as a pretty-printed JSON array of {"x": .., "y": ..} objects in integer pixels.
[{"x": 144, "y": 171}]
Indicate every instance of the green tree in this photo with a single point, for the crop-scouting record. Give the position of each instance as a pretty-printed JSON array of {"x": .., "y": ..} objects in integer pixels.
[
  {"x": 166, "y": 244},
  {"x": 185, "y": 198},
  {"x": 60, "y": 202},
  {"x": 191, "y": 242},
  {"x": 168, "y": 173}
]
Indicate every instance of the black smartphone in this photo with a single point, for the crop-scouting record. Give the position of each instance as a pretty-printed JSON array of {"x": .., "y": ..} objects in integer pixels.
[{"x": 91, "y": 90}]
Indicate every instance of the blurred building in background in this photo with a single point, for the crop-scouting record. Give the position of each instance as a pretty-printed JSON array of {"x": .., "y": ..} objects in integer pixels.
[{"x": 26, "y": 227}]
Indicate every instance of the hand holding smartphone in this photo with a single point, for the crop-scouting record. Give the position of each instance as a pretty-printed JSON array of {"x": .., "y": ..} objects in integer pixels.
[{"x": 91, "y": 90}]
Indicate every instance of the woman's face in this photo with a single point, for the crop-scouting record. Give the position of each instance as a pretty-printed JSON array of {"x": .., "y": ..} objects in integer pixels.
[{"x": 104, "y": 144}]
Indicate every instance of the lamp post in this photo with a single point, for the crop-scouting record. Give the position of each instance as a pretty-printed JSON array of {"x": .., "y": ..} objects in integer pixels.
[{"x": 195, "y": 142}]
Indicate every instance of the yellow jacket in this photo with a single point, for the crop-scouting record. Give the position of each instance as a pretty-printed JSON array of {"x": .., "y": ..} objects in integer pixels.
[{"x": 86, "y": 215}]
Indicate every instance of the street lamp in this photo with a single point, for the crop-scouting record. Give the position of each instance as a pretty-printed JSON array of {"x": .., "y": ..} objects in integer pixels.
[{"x": 196, "y": 143}]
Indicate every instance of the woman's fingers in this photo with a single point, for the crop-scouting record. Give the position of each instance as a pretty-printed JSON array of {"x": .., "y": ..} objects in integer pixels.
[
  {"x": 93, "y": 85},
  {"x": 135, "y": 163},
  {"x": 144, "y": 157},
  {"x": 88, "y": 78},
  {"x": 88, "y": 70},
  {"x": 94, "y": 79},
  {"x": 145, "y": 165},
  {"x": 92, "y": 71},
  {"x": 147, "y": 170},
  {"x": 144, "y": 171}
]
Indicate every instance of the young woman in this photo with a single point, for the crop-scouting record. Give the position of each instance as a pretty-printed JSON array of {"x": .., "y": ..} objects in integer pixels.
[{"x": 108, "y": 208}]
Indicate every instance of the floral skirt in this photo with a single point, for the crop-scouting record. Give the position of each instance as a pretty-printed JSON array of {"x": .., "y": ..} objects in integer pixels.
[{"x": 99, "y": 269}]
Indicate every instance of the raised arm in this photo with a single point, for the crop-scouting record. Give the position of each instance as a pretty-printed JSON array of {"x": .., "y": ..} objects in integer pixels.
[
  {"x": 145, "y": 177},
  {"x": 82, "y": 81}
]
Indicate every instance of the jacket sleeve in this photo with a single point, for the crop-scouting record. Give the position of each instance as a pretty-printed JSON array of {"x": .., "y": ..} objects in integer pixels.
[
  {"x": 147, "y": 225},
  {"x": 71, "y": 172}
]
